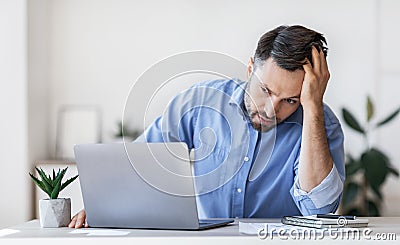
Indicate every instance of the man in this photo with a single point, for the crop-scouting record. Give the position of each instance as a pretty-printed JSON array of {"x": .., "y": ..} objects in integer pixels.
[{"x": 268, "y": 147}]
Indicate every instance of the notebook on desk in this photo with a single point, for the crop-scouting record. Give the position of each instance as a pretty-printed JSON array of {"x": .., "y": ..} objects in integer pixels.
[
  {"x": 139, "y": 185},
  {"x": 315, "y": 222}
]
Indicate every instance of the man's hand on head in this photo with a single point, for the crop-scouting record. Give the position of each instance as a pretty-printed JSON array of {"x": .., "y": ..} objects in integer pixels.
[
  {"x": 79, "y": 220},
  {"x": 315, "y": 81}
]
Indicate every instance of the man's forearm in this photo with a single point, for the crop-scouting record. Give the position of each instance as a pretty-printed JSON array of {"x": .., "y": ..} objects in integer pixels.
[{"x": 315, "y": 159}]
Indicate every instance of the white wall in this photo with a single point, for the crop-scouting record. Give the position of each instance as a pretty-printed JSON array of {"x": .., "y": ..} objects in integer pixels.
[
  {"x": 91, "y": 52},
  {"x": 99, "y": 48},
  {"x": 38, "y": 17},
  {"x": 14, "y": 191},
  {"x": 38, "y": 76},
  {"x": 387, "y": 98}
]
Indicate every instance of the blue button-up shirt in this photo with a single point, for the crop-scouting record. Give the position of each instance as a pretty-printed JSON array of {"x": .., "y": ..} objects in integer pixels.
[{"x": 240, "y": 172}]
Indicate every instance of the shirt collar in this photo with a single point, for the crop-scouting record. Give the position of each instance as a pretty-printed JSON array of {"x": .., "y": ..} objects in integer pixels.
[{"x": 238, "y": 94}]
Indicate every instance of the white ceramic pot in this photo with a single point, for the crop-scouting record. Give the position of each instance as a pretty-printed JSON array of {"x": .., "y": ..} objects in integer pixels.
[{"x": 55, "y": 212}]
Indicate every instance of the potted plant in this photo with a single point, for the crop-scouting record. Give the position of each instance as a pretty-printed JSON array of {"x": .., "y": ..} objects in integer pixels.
[
  {"x": 365, "y": 175},
  {"x": 54, "y": 211}
]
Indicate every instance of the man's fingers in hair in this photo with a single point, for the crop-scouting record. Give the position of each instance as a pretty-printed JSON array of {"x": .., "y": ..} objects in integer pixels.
[{"x": 316, "y": 59}]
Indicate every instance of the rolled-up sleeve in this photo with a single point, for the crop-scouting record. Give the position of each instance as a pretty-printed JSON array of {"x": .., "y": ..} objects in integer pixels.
[{"x": 325, "y": 197}]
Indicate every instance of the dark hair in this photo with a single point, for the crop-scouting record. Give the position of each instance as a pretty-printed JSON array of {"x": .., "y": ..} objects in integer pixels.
[{"x": 289, "y": 46}]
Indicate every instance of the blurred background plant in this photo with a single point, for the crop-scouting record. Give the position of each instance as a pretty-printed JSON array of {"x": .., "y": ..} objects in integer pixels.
[
  {"x": 124, "y": 131},
  {"x": 365, "y": 175}
]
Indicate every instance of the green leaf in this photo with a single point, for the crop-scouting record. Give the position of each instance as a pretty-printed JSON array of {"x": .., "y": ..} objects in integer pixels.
[
  {"x": 389, "y": 118},
  {"x": 393, "y": 171},
  {"x": 376, "y": 167},
  {"x": 352, "y": 167},
  {"x": 69, "y": 181},
  {"x": 56, "y": 190},
  {"x": 57, "y": 183},
  {"x": 39, "y": 183},
  {"x": 373, "y": 209},
  {"x": 45, "y": 180},
  {"x": 352, "y": 121},
  {"x": 350, "y": 193},
  {"x": 54, "y": 174},
  {"x": 377, "y": 192},
  {"x": 370, "y": 109},
  {"x": 50, "y": 181},
  {"x": 60, "y": 175}
]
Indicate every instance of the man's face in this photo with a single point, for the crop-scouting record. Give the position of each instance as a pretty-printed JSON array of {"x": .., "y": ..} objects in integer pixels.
[{"x": 272, "y": 94}]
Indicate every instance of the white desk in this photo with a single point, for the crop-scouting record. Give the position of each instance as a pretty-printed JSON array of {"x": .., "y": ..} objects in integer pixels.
[{"x": 31, "y": 233}]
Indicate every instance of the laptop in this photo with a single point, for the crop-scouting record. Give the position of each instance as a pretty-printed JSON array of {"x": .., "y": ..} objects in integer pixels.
[{"x": 139, "y": 185}]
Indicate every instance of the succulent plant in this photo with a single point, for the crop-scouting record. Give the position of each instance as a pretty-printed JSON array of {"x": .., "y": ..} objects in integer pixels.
[{"x": 52, "y": 184}]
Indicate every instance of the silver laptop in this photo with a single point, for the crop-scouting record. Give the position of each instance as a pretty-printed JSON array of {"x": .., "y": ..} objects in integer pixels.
[{"x": 139, "y": 185}]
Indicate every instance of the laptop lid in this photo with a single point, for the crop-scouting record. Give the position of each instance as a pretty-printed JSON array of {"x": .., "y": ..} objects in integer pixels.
[{"x": 137, "y": 185}]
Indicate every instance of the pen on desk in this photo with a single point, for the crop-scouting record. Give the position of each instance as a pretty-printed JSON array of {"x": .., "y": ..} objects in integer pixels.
[{"x": 335, "y": 216}]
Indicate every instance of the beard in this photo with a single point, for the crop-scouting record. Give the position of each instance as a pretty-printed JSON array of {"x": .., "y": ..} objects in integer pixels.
[{"x": 258, "y": 118}]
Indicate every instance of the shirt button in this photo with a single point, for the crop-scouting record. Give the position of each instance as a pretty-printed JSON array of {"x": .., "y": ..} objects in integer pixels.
[
  {"x": 239, "y": 190},
  {"x": 246, "y": 158}
]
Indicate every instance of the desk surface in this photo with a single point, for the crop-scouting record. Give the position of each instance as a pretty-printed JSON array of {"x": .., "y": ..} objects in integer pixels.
[{"x": 31, "y": 233}]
